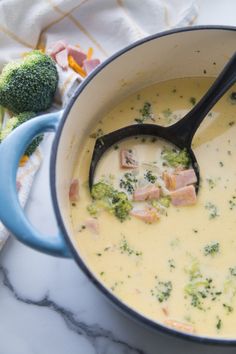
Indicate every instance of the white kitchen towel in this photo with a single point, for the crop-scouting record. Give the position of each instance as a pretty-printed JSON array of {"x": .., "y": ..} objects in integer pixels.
[{"x": 104, "y": 25}]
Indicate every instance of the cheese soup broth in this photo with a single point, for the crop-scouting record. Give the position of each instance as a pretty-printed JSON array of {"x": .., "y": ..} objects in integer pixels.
[{"x": 180, "y": 270}]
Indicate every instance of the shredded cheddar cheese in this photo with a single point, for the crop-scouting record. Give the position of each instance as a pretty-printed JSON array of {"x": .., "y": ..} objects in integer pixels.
[
  {"x": 90, "y": 53},
  {"x": 76, "y": 67},
  {"x": 23, "y": 160}
]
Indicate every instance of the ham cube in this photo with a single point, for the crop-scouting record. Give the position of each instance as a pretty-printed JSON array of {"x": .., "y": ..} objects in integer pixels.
[
  {"x": 170, "y": 180},
  {"x": 90, "y": 64},
  {"x": 184, "y": 196},
  {"x": 92, "y": 225},
  {"x": 148, "y": 215},
  {"x": 146, "y": 193},
  {"x": 128, "y": 159},
  {"x": 62, "y": 59},
  {"x": 179, "y": 179},
  {"x": 76, "y": 54},
  {"x": 56, "y": 48},
  {"x": 74, "y": 191},
  {"x": 180, "y": 326}
]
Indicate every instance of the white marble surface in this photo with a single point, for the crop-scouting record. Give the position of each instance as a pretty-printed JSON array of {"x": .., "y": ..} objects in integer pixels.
[{"x": 48, "y": 306}]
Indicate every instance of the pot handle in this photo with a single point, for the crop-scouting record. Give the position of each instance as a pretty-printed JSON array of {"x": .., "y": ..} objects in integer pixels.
[{"x": 11, "y": 213}]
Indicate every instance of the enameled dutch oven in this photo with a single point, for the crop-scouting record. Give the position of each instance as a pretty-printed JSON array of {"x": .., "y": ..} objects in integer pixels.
[{"x": 185, "y": 52}]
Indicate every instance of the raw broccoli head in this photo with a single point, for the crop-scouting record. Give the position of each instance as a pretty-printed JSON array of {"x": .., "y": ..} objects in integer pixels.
[
  {"x": 13, "y": 123},
  {"x": 29, "y": 84},
  {"x": 112, "y": 200}
]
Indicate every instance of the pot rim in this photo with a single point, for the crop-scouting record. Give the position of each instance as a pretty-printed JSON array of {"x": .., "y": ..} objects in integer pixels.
[{"x": 115, "y": 300}]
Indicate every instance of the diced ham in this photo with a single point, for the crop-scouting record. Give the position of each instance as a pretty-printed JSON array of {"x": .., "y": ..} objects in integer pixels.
[
  {"x": 149, "y": 192},
  {"x": 74, "y": 191},
  {"x": 169, "y": 180},
  {"x": 128, "y": 159},
  {"x": 149, "y": 215},
  {"x": 76, "y": 54},
  {"x": 184, "y": 196},
  {"x": 92, "y": 225},
  {"x": 180, "y": 326},
  {"x": 179, "y": 179},
  {"x": 165, "y": 310},
  {"x": 56, "y": 48},
  {"x": 62, "y": 59},
  {"x": 90, "y": 64}
]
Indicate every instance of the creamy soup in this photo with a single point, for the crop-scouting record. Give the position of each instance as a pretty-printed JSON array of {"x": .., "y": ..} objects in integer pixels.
[{"x": 178, "y": 268}]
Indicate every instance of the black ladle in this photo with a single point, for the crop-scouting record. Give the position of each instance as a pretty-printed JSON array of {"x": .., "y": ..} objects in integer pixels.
[{"x": 179, "y": 134}]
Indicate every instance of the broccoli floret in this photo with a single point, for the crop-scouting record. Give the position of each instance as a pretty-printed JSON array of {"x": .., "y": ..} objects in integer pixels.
[
  {"x": 162, "y": 290},
  {"x": 113, "y": 201},
  {"x": 13, "y": 123},
  {"x": 118, "y": 197},
  {"x": 92, "y": 209},
  {"x": 122, "y": 209},
  {"x": 29, "y": 84},
  {"x": 165, "y": 201},
  {"x": 121, "y": 205},
  {"x": 175, "y": 158},
  {"x": 101, "y": 190},
  {"x": 211, "y": 249}
]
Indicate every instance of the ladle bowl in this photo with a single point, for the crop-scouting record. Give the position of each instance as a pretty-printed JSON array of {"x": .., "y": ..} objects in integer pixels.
[{"x": 179, "y": 134}]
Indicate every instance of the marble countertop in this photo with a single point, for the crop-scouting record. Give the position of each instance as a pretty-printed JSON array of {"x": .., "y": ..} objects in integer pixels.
[{"x": 48, "y": 306}]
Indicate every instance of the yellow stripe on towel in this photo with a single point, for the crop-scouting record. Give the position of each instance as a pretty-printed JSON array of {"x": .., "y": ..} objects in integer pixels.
[
  {"x": 80, "y": 26},
  {"x": 15, "y": 37}
]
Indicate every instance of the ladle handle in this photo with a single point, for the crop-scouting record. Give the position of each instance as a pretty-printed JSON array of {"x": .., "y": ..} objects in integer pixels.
[{"x": 185, "y": 129}]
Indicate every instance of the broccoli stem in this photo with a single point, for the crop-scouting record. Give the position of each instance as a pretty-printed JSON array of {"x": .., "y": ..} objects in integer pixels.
[
  {"x": 2, "y": 111},
  {"x": 14, "y": 122}
]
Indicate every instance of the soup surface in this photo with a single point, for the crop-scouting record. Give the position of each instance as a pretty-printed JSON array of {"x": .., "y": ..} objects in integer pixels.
[{"x": 181, "y": 269}]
